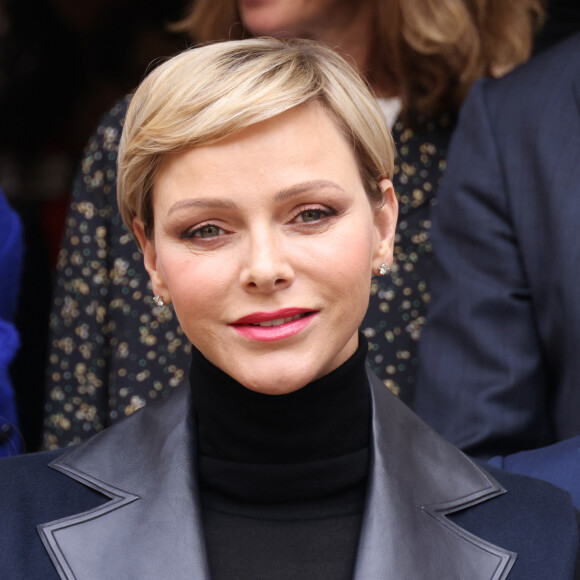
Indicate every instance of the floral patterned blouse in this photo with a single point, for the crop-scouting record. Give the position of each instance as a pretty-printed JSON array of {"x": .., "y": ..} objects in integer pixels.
[{"x": 111, "y": 350}]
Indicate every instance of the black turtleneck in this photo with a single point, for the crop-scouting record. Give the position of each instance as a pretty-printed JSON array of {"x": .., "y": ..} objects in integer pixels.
[{"x": 282, "y": 477}]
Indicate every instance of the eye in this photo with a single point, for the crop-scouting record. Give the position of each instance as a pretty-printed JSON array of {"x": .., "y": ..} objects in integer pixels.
[
  {"x": 206, "y": 231},
  {"x": 313, "y": 214}
]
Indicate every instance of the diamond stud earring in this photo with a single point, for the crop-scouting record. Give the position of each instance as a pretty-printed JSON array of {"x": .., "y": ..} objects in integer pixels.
[
  {"x": 159, "y": 301},
  {"x": 384, "y": 269}
]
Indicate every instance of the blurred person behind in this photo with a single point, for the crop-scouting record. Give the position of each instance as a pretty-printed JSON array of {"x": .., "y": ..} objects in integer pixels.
[
  {"x": 10, "y": 266},
  {"x": 419, "y": 57},
  {"x": 499, "y": 356},
  {"x": 85, "y": 56}
]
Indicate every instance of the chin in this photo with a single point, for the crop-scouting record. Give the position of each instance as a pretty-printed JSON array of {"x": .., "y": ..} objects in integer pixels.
[
  {"x": 281, "y": 385},
  {"x": 267, "y": 29},
  {"x": 266, "y": 23},
  {"x": 276, "y": 390}
]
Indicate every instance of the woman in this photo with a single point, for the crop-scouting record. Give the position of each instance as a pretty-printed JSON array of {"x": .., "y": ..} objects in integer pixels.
[
  {"x": 255, "y": 176},
  {"x": 420, "y": 58}
]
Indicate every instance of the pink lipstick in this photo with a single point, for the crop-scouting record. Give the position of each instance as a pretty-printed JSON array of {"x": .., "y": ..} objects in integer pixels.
[{"x": 271, "y": 326}]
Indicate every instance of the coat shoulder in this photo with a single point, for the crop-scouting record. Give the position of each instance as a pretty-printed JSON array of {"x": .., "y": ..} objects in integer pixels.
[
  {"x": 534, "y": 519},
  {"x": 534, "y": 88},
  {"x": 33, "y": 493}
]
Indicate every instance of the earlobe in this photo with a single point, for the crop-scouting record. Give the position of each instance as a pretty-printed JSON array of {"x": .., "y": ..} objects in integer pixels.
[
  {"x": 150, "y": 260},
  {"x": 385, "y": 225}
]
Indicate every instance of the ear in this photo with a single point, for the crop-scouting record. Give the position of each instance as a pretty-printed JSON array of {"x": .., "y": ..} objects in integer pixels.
[
  {"x": 385, "y": 224},
  {"x": 151, "y": 261}
]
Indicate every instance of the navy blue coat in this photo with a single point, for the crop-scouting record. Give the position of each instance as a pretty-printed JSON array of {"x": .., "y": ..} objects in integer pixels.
[
  {"x": 558, "y": 463},
  {"x": 125, "y": 504},
  {"x": 499, "y": 355}
]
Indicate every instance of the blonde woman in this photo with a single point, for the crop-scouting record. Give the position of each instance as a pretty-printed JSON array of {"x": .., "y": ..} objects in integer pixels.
[
  {"x": 256, "y": 178},
  {"x": 420, "y": 58}
]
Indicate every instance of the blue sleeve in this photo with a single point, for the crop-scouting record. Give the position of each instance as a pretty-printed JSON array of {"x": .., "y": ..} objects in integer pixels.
[
  {"x": 10, "y": 267},
  {"x": 558, "y": 464}
]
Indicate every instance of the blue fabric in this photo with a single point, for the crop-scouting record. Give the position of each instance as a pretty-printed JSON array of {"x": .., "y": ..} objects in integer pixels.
[
  {"x": 10, "y": 259},
  {"x": 530, "y": 506},
  {"x": 499, "y": 353},
  {"x": 559, "y": 464},
  {"x": 10, "y": 266},
  {"x": 41, "y": 494}
]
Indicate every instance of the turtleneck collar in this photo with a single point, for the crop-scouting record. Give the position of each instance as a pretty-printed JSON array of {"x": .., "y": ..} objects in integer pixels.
[{"x": 326, "y": 419}]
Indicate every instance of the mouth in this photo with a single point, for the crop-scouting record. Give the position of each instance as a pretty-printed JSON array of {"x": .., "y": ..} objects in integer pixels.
[
  {"x": 276, "y": 318},
  {"x": 273, "y": 326},
  {"x": 280, "y": 321}
]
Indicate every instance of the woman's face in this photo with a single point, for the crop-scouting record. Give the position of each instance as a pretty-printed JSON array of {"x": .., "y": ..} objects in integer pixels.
[
  {"x": 305, "y": 18},
  {"x": 264, "y": 242}
]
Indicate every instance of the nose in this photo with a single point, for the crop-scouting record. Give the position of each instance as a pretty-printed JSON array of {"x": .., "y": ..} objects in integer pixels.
[{"x": 266, "y": 266}]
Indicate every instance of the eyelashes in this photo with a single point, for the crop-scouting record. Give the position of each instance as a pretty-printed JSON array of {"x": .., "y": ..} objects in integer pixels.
[
  {"x": 204, "y": 232},
  {"x": 314, "y": 214},
  {"x": 307, "y": 216}
]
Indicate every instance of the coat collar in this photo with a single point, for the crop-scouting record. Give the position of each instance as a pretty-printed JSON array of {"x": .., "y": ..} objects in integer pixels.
[
  {"x": 151, "y": 527},
  {"x": 416, "y": 479}
]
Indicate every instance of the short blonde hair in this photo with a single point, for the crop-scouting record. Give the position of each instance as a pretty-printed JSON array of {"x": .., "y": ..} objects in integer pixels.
[
  {"x": 208, "y": 93},
  {"x": 431, "y": 51}
]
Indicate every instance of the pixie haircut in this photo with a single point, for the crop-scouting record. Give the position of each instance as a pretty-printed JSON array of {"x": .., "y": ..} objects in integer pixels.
[{"x": 211, "y": 92}]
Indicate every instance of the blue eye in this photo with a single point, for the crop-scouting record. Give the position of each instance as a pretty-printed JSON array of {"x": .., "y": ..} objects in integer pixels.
[
  {"x": 207, "y": 231},
  {"x": 313, "y": 214}
]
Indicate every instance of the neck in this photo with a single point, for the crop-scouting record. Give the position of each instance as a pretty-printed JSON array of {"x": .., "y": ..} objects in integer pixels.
[
  {"x": 327, "y": 418},
  {"x": 350, "y": 32}
]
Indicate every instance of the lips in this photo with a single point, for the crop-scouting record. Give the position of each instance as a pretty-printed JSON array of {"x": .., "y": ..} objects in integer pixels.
[
  {"x": 278, "y": 321},
  {"x": 270, "y": 326},
  {"x": 273, "y": 318}
]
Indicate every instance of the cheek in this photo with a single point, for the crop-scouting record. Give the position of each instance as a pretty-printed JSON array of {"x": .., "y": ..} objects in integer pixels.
[
  {"x": 355, "y": 247},
  {"x": 348, "y": 264},
  {"x": 193, "y": 282},
  {"x": 198, "y": 306}
]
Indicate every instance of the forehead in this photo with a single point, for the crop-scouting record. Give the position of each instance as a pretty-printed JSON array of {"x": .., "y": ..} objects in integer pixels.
[{"x": 303, "y": 143}]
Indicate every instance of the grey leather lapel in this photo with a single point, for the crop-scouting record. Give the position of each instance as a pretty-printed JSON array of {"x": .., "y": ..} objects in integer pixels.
[
  {"x": 415, "y": 479},
  {"x": 151, "y": 528}
]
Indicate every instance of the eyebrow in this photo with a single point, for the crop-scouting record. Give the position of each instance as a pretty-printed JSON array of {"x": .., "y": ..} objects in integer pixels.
[
  {"x": 304, "y": 187},
  {"x": 283, "y": 195},
  {"x": 213, "y": 203}
]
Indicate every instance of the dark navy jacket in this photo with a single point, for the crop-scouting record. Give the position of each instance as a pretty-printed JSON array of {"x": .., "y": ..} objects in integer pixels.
[
  {"x": 499, "y": 355},
  {"x": 125, "y": 505},
  {"x": 558, "y": 463}
]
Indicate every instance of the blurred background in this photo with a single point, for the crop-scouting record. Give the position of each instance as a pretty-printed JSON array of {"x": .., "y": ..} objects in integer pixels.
[{"x": 63, "y": 64}]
